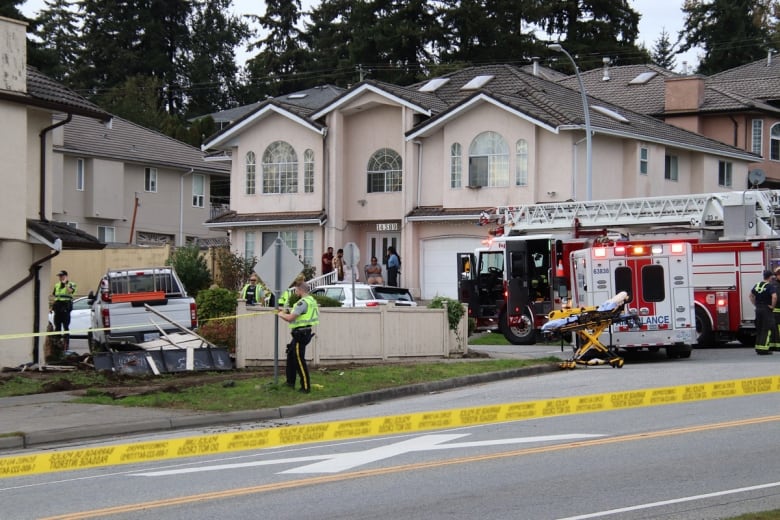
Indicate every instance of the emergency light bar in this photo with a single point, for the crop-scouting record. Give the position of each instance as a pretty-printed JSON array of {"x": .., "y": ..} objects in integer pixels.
[{"x": 676, "y": 248}]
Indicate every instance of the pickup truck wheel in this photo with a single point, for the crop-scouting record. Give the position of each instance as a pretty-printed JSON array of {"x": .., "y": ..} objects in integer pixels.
[{"x": 522, "y": 334}]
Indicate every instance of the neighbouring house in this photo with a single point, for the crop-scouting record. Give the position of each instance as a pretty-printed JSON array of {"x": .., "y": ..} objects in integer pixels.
[
  {"x": 739, "y": 106},
  {"x": 127, "y": 184},
  {"x": 413, "y": 166},
  {"x": 32, "y": 106}
]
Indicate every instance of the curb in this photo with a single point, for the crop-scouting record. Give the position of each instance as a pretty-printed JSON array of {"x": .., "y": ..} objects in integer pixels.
[{"x": 27, "y": 440}]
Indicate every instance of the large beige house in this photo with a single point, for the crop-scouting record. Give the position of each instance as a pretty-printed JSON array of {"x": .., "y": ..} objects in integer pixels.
[{"x": 414, "y": 166}]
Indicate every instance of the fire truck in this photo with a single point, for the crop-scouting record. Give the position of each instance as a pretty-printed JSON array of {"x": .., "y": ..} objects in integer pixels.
[{"x": 523, "y": 271}]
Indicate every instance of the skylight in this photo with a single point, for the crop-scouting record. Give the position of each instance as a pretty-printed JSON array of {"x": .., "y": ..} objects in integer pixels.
[
  {"x": 609, "y": 113},
  {"x": 297, "y": 96},
  {"x": 433, "y": 84},
  {"x": 643, "y": 78},
  {"x": 476, "y": 82}
]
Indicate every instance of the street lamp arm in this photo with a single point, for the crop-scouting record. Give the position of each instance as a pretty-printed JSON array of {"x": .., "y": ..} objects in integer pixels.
[{"x": 586, "y": 110}]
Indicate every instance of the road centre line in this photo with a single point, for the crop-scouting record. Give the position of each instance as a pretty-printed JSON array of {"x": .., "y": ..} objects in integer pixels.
[{"x": 277, "y": 486}]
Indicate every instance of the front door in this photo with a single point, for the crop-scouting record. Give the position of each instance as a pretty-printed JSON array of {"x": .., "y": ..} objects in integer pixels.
[{"x": 377, "y": 244}]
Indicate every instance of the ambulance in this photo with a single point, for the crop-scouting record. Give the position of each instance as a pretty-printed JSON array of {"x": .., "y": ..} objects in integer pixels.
[{"x": 658, "y": 278}]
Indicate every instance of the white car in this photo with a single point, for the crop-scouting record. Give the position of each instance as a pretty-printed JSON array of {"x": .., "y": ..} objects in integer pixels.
[
  {"x": 80, "y": 318},
  {"x": 365, "y": 295}
]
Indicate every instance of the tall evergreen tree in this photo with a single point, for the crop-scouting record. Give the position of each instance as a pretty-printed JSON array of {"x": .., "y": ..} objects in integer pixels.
[
  {"x": 212, "y": 71},
  {"x": 57, "y": 28},
  {"x": 663, "y": 51},
  {"x": 328, "y": 38},
  {"x": 10, "y": 9},
  {"x": 731, "y": 32},
  {"x": 281, "y": 54},
  {"x": 595, "y": 29}
]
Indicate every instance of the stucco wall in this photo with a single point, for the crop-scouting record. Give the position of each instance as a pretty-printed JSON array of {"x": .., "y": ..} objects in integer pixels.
[{"x": 343, "y": 335}]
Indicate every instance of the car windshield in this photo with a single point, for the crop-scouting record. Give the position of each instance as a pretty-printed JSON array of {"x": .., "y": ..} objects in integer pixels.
[
  {"x": 363, "y": 294},
  {"x": 393, "y": 293}
]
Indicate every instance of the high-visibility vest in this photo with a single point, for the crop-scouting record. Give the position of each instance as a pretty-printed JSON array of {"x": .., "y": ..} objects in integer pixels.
[
  {"x": 62, "y": 292},
  {"x": 259, "y": 294},
  {"x": 310, "y": 317}
]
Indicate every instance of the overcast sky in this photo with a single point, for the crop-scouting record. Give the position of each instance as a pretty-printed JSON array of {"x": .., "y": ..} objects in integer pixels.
[{"x": 656, "y": 15}]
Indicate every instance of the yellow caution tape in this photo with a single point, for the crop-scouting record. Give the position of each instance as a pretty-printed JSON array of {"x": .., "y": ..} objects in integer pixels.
[{"x": 49, "y": 462}]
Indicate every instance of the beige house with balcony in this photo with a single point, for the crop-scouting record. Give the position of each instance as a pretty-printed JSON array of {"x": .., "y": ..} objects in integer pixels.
[{"x": 414, "y": 166}]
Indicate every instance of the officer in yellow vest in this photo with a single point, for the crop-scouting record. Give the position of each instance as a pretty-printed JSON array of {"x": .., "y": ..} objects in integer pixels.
[
  {"x": 764, "y": 297},
  {"x": 63, "y": 303},
  {"x": 252, "y": 292},
  {"x": 302, "y": 318}
]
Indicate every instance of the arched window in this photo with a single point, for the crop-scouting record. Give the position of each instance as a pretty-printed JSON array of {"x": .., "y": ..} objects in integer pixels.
[
  {"x": 774, "y": 142},
  {"x": 250, "y": 173},
  {"x": 308, "y": 171},
  {"x": 384, "y": 171},
  {"x": 280, "y": 168},
  {"x": 456, "y": 166},
  {"x": 489, "y": 161},
  {"x": 521, "y": 163}
]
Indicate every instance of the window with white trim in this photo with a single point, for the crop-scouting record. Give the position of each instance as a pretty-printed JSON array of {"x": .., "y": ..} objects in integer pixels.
[
  {"x": 249, "y": 244},
  {"x": 774, "y": 142},
  {"x": 521, "y": 163},
  {"x": 79, "y": 174},
  {"x": 198, "y": 190},
  {"x": 106, "y": 234},
  {"x": 308, "y": 247},
  {"x": 150, "y": 180},
  {"x": 280, "y": 168},
  {"x": 384, "y": 173},
  {"x": 251, "y": 171},
  {"x": 644, "y": 160},
  {"x": 308, "y": 171},
  {"x": 670, "y": 168},
  {"x": 724, "y": 174},
  {"x": 757, "y": 137},
  {"x": 290, "y": 239},
  {"x": 456, "y": 166},
  {"x": 488, "y": 161}
]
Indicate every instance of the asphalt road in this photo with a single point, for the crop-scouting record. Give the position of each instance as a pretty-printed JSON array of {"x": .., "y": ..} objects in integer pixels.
[{"x": 699, "y": 460}]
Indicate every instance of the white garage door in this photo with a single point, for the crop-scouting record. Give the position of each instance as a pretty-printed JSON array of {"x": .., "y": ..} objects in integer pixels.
[{"x": 439, "y": 265}]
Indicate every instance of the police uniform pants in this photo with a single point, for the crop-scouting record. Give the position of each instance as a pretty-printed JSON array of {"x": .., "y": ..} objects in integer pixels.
[
  {"x": 296, "y": 358},
  {"x": 765, "y": 324},
  {"x": 62, "y": 318}
]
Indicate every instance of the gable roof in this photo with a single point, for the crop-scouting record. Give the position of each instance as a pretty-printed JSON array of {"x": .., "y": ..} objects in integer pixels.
[
  {"x": 559, "y": 108},
  {"x": 128, "y": 142},
  {"x": 44, "y": 92}
]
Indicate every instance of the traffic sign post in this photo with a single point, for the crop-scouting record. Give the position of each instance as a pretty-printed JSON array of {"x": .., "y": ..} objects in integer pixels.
[
  {"x": 352, "y": 259},
  {"x": 278, "y": 268}
]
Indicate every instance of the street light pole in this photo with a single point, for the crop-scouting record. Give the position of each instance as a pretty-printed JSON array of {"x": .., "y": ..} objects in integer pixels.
[{"x": 588, "y": 139}]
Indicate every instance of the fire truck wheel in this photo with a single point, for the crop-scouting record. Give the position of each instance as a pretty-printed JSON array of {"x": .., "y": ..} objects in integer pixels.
[
  {"x": 703, "y": 328},
  {"x": 520, "y": 335}
]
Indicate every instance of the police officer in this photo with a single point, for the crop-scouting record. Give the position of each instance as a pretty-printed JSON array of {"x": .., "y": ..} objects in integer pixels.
[
  {"x": 764, "y": 297},
  {"x": 252, "y": 292},
  {"x": 774, "y": 341},
  {"x": 302, "y": 318},
  {"x": 63, "y": 303}
]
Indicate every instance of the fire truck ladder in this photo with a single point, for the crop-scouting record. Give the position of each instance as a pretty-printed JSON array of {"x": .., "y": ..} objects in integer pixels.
[{"x": 757, "y": 210}]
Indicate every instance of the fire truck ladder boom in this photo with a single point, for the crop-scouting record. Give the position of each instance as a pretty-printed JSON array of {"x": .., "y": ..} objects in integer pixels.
[{"x": 761, "y": 207}]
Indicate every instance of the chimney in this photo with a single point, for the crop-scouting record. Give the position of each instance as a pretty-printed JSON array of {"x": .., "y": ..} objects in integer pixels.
[
  {"x": 683, "y": 93},
  {"x": 605, "y": 61},
  {"x": 13, "y": 55},
  {"x": 535, "y": 69}
]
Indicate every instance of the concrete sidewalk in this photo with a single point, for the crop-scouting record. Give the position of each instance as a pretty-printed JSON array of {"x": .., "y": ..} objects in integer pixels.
[{"x": 41, "y": 419}]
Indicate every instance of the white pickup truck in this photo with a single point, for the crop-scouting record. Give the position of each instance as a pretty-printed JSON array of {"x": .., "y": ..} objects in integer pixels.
[{"x": 119, "y": 313}]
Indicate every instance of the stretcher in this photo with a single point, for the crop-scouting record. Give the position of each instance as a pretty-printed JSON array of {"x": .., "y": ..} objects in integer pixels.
[{"x": 588, "y": 323}]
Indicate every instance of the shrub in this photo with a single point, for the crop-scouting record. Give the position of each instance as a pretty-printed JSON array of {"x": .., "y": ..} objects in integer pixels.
[
  {"x": 215, "y": 303},
  {"x": 455, "y": 311},
  {"x": 191, "y": 268},
  {"x": 220, "y": 332}
]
